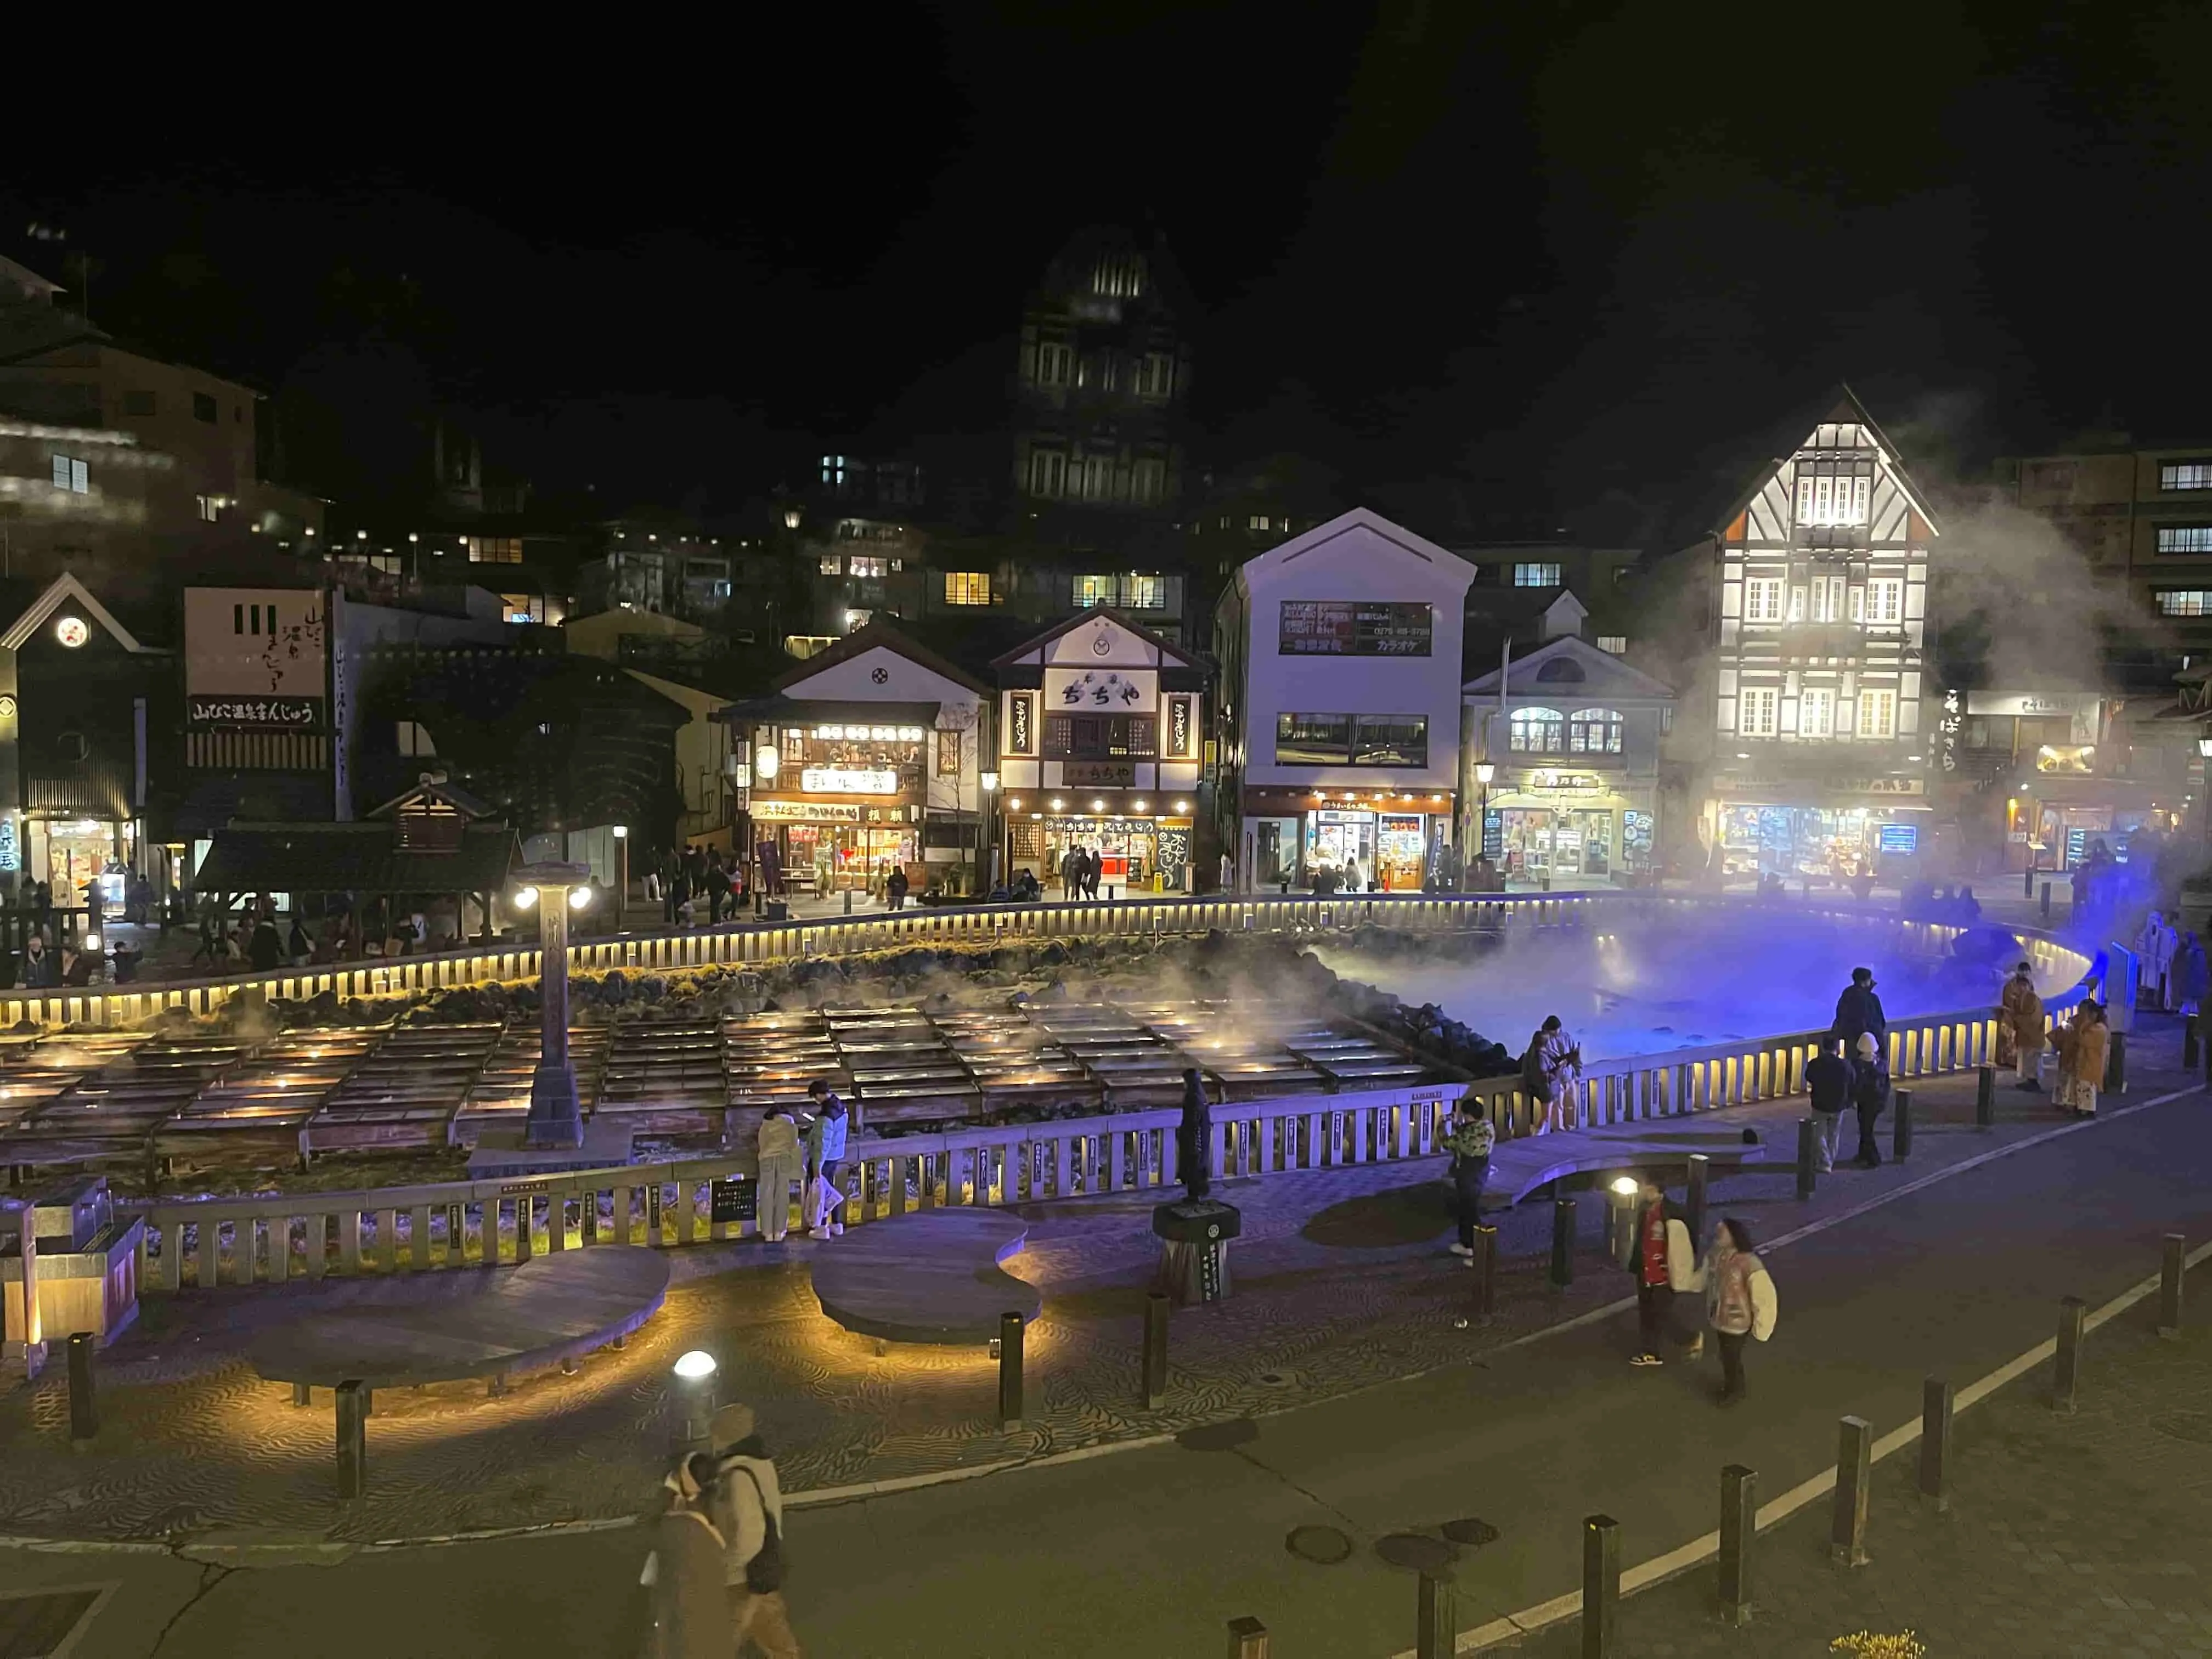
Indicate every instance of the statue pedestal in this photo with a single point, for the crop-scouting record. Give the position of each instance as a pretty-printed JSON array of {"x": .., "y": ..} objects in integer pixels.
[{"x": 1195, "y": 1235}]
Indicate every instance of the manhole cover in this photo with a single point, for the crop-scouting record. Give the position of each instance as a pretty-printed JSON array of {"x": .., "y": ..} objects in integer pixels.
[
  {"x": 2184, "y": 1425},
  {"x": 33, "y": 1627},
  {"x": 1417, "y": 1551},
  {"x": 1324, "y": 1546},
  {"x": 1219, "y": 1437},
  {"x": 1470, "y": 1532}
]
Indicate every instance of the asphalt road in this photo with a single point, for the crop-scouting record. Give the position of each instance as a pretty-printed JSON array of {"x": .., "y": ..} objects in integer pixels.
[{"x": 1151, "y": 1552}]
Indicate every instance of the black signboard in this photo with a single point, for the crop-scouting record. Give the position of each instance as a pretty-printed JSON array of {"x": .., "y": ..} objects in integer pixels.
[
  {"x": 1178, "y": 725},
  {"x": 1353, "y": 627},
  {"x": 1021, "y": 726},
  {"x": 735, "y": 1199}
]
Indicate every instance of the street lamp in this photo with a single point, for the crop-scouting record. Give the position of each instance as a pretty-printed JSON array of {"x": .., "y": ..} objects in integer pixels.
[
  {"x": 989, "y": 782},
  {"x": 622, "y": 875},
  {"x": 556, "y": 1117},
  {"x": 1484, "y": 772}
]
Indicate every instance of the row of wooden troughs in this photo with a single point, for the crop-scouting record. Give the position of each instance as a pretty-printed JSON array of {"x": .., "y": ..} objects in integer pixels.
[{"x": 122, "y": 1099}]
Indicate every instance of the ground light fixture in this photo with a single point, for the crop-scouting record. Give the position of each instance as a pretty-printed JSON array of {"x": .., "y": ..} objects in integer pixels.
[
  {"x": 1625, "y": 1186},
  {"x": 694, "y": 1365},
  {"x": 695, "y": 1385}
]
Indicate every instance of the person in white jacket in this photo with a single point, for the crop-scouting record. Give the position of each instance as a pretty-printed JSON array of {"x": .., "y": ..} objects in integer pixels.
[
  {"x": 1740, "y": 1302},
  {"x": 780, "y": 1163}
]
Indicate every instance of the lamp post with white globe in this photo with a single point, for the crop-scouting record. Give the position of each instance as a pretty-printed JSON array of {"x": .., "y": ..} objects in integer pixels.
[{"x": 556, "y": 1117}]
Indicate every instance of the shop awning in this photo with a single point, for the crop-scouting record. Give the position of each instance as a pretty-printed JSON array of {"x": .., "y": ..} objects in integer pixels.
[
  {"x": 353, "y": 857},
  {"x": 827, "y": 711}
]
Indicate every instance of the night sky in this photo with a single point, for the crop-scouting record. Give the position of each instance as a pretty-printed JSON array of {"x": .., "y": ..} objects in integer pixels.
[{"x": 1555, "y": 261}]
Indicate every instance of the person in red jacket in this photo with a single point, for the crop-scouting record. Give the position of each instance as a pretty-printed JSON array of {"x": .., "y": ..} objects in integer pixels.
[{"x": 1666, "y": 1260}]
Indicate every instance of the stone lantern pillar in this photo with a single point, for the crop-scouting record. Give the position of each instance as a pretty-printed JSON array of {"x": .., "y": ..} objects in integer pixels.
[{"x": 557, "y": 1118}]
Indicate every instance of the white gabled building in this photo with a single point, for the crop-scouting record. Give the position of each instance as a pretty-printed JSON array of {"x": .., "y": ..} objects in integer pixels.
[
  {"x": 1820, "y": 722},
  {"x": 1101, "y": 740},
  {"x": 1339, "y": 718}
]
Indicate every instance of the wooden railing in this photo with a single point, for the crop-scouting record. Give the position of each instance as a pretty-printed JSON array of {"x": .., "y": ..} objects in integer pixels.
[
  {"x": 768, "y": 944},
  {"x": 269, "y": 1238}
]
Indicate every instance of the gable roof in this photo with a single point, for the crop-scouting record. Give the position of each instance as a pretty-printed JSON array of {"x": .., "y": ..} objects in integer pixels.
[
  {"x": 1711, "y": 514},
  {"x": 1360, "y": 518},
  {"x": 62, "y": 590},
  {"x": 1168, "y": 648},
  {"x": 880, "y": 635},
  {"x": 434, "y": 791},
  {"x": 1604, "y": 675}
]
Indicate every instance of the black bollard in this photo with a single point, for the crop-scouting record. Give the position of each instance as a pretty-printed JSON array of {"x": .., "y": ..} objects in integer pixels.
[
  {"x": 1435, "y": 1617},
  {"x": 2188, "y": 1042},
  {"x": 1900, "y": 1126},
  {"x": 353, "y": 1439},
  {"x": 1701, "y": 1167},
  {"x": 2027, "y": 883},
  {"x": 1563, "y": 1242},
  {"x": 2066, "y": 1372},
  {"x": 1808, "y": 1157},
  {"x": 1854, "y": 1461},
  {"x": 1601, "y": 1584},
  {"x": 1156, "y": 1350},
  {"x": 1010, "y": 1370},
  {"x": 1986, "y": 1097},
  {"x": 84, "y": 1408},
  {"x": 1739, "y": 1533},
  {"x": 2169, "y": 1272},
  {"x": 1486, "y": 1274},
  {"x": 1935, "y": 1403},
  {"x": 2116, "y": 1065},
  {"x": 2046, "y": 901}
]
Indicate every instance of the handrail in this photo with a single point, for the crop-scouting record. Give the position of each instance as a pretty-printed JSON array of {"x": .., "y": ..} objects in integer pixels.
[{"x": 768, "y": 943}]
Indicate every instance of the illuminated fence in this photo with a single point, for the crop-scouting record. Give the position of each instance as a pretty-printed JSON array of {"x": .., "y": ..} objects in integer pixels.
[{"x": 272, "y": 1238}]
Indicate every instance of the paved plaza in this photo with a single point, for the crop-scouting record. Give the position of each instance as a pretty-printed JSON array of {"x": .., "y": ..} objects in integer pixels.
[{"x": 1337, "y": 1389}]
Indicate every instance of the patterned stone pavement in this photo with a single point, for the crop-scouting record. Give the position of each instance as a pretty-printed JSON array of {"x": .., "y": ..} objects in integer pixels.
[
  {"x": 1340, "y": 1282},
  {"x": 2075, "y": 1535}
]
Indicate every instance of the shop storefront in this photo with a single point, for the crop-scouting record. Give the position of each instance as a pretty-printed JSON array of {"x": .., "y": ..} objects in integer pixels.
[
  {"x": 1550, "y": 825},
  {"x": 1138, "y": 854},
  {"x": 1829, "y": 843},
  {"x": 84, "y": 861},
  {"x": 1398, "y": 842}
]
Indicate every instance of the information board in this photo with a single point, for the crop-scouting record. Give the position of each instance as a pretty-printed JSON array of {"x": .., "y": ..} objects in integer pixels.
[
  {"x": 1900, "y": 838},
  {"x": 734, "y": 1199},
  {"x": 1353, "y": 627}
]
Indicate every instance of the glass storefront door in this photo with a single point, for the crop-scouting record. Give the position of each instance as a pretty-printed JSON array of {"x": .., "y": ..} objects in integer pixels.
[
  {"x": 1336, "y": 841},
  {"x": 1594, "y": 829},
  {"x": 1528, "y": 842},
  {"x": 1400, "y": 849},
  {"x": 1274, "y": 852}
]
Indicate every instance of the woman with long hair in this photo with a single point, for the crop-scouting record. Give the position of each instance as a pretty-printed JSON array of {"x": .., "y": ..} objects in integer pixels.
[{"x": 1740, "y": 1302}]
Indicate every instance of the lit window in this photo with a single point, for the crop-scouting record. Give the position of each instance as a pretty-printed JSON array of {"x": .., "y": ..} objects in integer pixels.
[
  {"x": 967, "y": 587},
  {"x": 208, "y": 511},
  {"x": 1615, "y": 643},
  {"x": 831, "y": 564},
  {"x": 1047, "y": 473},
  {"x": 1885, "y": 602},
  {"x": 1092, "y": 591},
  {"x": 1593, "y": 731},
  {"x": 522, "y": 608},
  {"x": 833, "y": 470},
  {"x": 1762, "y": 599},
  {"x": 1055, "y": 363},
  {"x": 1877, "y": 715},
  {"x": 1816, "y": 712},
  {"x": 2184, "y": 475},
  {"x": 1258, "y": 521},
  {"x": 862, "y": 564},
  {"x": 2185, "y": 538},
  {"x": 1757, "y": 711},
  {"x": 72, "y": 475},
  {"x": 1148, "y": 482},
  {"x": 1536, "y": 575},
  {"x": 1156, "y": 375},
  {"x": 1828, "y": 598},
  {"x": 494, "y": 549},
  {"x": 1144, "y": 593},
  {"x": 1538, "y": 731},
  {"x": 414, "y": 740},
  {"x": 2184, "y": 601},
  {"x": 1827, "y": 498}
]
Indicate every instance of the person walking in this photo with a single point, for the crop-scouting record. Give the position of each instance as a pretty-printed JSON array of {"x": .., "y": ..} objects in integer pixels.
[
  {"x": 825, "y": 1157},
  {"x": 265, "y": 950},
  {"x": 1740, "y": 1302},
  {"x": 2192, "y": 975},
  {"x": 685, "y": 1572},
  {"x": 2020, "y": 1029},
  {"x": 896, "y": 886},
  {"x": 1870, "y": 1095},
  {"x": 1228, "y": 873},
  {"x": 1093, "y": 867},
  {"x": 1552, "y": 1070},
  {"x": 1664, "y": 1262},
  {"x": 1828, "y": 1079},
  {"x": 1071, "y": 874},
  {"x": 1858, "y": 1013},
  {"x": 679, "y": 898},
  {"x": 776, "y": 1151},
  {"x": 210, "y": 944},
  {"x": 1469, "y": 1139},
  {"x": 2082, "y": 1051},
  {"x": 2154, "y": 947},
  {"x": 717, "y": 888},
  {"x": 747, "y": 1508}
]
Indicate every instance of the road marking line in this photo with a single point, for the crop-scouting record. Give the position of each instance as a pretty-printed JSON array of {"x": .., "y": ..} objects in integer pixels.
[{"x": 1703, "y": 1549}]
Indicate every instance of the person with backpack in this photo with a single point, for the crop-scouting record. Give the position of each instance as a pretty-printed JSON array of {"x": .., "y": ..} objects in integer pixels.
[
  {"x": 1828, "y": 1078},
  {"x": 744, "y": 1502},
  {"x": 1740, "y": 1302},
  {"x": 1665, "y": 1263},
  {"x": 895, "y": 887},
  {"x": 1469, "y": 1140}
]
